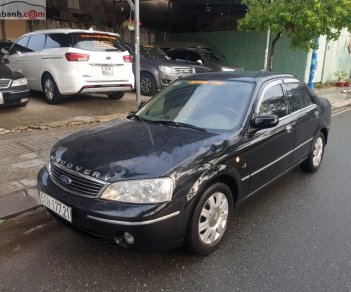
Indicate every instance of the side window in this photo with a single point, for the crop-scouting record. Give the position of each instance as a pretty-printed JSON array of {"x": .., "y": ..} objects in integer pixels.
[
  {"x": 306, "y": 96},
  {"x": 36, "y": 43},
  {"x": 20, "y": 46},
  {"x": 56, "y": 40},
  {"x": 273, "y": 102},
  {"x": 294, "y": 95}
]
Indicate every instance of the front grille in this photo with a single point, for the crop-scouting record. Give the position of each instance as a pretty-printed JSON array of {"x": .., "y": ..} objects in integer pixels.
[
  {"x": 5, "y": 83},
  {"x": 183, "y": 70},
  {"x": 80, "y": 184}
]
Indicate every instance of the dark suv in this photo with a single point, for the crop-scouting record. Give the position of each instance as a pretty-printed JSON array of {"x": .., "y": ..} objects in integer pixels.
[
  {"x": 201, "y": 56},
  {"x": 158, "y": 70}
]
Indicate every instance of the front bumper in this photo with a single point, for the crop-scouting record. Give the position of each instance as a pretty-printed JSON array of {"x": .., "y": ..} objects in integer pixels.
[
  {"x": 154, "y": 227},
  {"x": 14, "y": 97}
]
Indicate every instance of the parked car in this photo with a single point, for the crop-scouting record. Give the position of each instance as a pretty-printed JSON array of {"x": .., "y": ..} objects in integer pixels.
[
  {"x": 201, "y": 56},
  {"x": 14, "y": 89},
  {"x": 158, "y": 70},
  {"x": 173, "y": 172},
  {"x": 4, "y": 44},
  {"x": 62, "y": 62}
]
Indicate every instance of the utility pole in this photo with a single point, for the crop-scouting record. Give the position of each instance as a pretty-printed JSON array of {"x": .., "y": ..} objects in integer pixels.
[
  {"x": 137, "y": 51},
  {"x": 313, "y": 67}
]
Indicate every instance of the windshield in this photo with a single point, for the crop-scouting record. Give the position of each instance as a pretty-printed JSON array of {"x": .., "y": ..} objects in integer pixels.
[
  {"x": 149, "y": 52},
  {"x": 207, "y": 104},
  {"x": 96, "y": 42},
  {"x": 210, "y": 57}
]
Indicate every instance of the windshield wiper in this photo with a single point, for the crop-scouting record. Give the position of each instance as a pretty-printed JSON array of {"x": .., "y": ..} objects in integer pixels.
[{"x": 179, "y": 124}]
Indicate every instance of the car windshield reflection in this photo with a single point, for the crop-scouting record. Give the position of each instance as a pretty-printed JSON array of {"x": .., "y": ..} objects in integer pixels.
[{"x": 211, "y": 105}]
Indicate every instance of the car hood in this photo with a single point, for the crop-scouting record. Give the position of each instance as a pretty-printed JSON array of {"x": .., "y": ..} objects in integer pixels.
[
  {"x": 6, "y": 73},
  {"x": 130, "y": 149}
]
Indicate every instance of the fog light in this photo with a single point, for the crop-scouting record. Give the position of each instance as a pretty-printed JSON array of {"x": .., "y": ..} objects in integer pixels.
[{"x": 128, "y": 238}]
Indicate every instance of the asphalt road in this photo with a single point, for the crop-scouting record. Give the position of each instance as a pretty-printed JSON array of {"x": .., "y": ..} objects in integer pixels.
[{"x": 294, "y": 235}]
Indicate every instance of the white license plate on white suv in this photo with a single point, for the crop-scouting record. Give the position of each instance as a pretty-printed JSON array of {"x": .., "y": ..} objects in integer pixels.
[
  {"x": 56, "y": 206},
  {"x": 107, "y": 70}
]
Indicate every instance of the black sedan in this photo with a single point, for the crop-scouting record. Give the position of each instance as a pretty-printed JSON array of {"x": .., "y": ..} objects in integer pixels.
[
  {"x": 173, "y": 172},
  {"x": 14, "y": 89}
]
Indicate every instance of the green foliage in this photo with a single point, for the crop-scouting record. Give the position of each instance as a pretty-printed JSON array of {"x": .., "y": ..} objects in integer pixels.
[
  {"x": 301, "y": 20},
  {"x": 341, "y": 75}
]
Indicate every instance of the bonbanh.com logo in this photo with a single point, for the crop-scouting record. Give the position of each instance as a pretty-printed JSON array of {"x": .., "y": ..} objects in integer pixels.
[{"x": 29, "y": 9}]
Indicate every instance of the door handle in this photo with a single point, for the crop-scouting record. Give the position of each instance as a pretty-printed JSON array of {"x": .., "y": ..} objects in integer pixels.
[
  {"x": 288, "y": 128},
  {"x": 316, "y": 114}
]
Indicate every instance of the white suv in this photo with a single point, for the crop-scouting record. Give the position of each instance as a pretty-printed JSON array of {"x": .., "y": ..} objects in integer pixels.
[{"x": 63, "y": 62}]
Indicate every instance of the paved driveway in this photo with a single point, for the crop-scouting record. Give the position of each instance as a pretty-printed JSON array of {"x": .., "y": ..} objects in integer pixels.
[{"x": 38, "y": 111}]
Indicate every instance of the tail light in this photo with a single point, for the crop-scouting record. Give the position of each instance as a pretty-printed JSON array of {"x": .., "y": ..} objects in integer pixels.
[
  {"x": 76, "y": 57},
  {"x": 128, "y": 58}
]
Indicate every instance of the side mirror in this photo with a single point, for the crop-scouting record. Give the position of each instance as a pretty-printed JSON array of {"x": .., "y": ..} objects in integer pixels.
[
  {"x": 265, "y": 121},
  {"x": 5, "y": 51},
  {"x": 199, "y": 62}
]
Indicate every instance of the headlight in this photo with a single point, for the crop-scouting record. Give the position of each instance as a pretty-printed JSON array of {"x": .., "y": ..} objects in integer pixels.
[
  {"x": 168, "y": 70},
  {"x": 227, "y": 69},
  {"x": 19, "y": 82},
  {"x": 148, "y": 191}
]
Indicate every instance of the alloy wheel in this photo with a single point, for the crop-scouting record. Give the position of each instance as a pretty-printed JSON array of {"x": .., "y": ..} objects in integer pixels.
[
  {"x": 317, "y": 152},
  {"x": 49, "y": 89},
  {"x": 146, "y": 84},
  {"x": 213, "y": 218}
]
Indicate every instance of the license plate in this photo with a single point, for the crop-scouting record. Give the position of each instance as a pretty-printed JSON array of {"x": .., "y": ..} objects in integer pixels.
[
  {"x": 107, "y": 70},
  {"x": 56, "y": 206},
  {"x": 1, "y": 98}
]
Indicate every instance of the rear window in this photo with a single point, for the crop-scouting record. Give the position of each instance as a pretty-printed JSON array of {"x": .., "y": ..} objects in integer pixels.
[{"x": 96, "y": 42}]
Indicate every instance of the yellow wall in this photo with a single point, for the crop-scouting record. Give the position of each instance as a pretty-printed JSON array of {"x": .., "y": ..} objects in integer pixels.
[{"x": 12, "y": 29}]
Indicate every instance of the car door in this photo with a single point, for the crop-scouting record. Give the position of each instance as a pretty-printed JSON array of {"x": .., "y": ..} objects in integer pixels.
[
  {"x": 32, "y": 61},
  {"x": 17, "y": 52},
  {"x": 270, "y": 149},
  {"x": 305, "y": 113}
]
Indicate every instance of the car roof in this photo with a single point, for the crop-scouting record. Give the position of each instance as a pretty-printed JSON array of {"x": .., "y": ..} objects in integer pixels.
[
  {"x": 69, "y": 30},
  {"x": 249, "y": 76}
]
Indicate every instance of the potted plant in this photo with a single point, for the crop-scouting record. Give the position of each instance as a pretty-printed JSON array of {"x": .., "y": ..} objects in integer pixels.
[
  {"x": 131, "y": 23},
  {"x": 341, "y": 75}
]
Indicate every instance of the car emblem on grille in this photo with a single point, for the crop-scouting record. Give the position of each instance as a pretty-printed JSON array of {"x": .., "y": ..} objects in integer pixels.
[
  {"x": 65, "y": 179},
  {"x": 108, "y": 58}
]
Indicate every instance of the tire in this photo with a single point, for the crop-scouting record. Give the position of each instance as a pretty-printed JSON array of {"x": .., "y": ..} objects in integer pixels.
[
  {"x": 206, "y": 233},
  {"x": 115, "y": 95},
  {"x": 50, "y": 90},
  {"x": 147, "y": 84},
  {"x": 314, "y": 160}
]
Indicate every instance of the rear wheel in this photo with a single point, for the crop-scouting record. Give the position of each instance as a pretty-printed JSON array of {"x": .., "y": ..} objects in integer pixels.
[
  {"x": 210, "y": 219},
  {"x": 147, "y": 84},
  {"x": 51, "y": 91},
  {"x": 314, "y": 160},
  {"x": 115, "y": 95}
]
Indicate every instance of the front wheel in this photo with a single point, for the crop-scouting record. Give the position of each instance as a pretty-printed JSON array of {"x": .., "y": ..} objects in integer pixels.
[
  {"x": 314, "y": 160},
  {"x": 147, "y": 84},
  {"x": 210, "y": 219}
]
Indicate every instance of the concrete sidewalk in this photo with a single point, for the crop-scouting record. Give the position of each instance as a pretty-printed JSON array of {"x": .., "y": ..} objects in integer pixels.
[{"x": 23, "y": 154}]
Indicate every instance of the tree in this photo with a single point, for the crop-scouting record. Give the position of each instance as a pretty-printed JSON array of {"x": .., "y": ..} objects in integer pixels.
[{"x": 303, "y": 21}]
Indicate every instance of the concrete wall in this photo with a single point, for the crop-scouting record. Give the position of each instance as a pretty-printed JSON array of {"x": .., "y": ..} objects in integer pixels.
[
  {"x": 246, "y": 49},
  {"x": 332, "y": 56}
]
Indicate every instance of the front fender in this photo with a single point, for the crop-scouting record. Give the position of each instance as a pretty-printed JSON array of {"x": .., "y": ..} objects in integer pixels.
[{"x": 220, "y": 172}]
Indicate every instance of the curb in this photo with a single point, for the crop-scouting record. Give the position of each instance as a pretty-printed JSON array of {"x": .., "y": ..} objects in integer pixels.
[
  {"x": 15, "y": 203},
  {"x": 18, "y": 202}
]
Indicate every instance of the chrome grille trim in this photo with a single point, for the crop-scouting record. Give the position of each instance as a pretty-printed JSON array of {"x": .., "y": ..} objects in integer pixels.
[
  {"x": 82, "y": 185},
  {"x": 183, "y": 70},
  {"x": 5, "y": 83}
]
